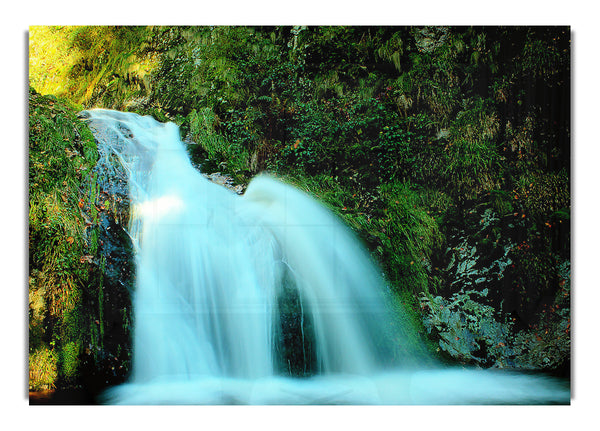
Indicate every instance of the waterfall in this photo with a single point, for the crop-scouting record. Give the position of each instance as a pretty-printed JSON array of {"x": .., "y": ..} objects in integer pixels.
[{"x": 214, "y": 269}]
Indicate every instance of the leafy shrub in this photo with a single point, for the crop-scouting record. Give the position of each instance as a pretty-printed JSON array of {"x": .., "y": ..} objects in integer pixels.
[
  {"x": 366, "y": 137},
  {"x": 502, "y": 202},
  {"x": 61, "y": 154}
]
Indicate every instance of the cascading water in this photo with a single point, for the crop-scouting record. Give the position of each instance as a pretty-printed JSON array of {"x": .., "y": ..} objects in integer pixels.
[{"x": 212, "y": 269}]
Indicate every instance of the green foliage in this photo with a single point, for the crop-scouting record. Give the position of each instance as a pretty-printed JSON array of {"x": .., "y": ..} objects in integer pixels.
[
  {"x": 544, "y": 53},
  {"x": 100, "y": 66},
  {"x": 365, "y": 137},
  {"x": 70, "y": 360},
  {"x": 55, "y": 227},
  {"x": 62, "y": 153},
  {"x": 473, "y": 162},
  {"x": 212, "y": 149},
  {"x": 410, "y": 237},
  {"x": 543, "y": 194}
]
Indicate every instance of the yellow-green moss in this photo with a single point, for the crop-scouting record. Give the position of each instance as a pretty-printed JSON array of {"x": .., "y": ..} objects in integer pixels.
[{"x": 43, "y": 369}]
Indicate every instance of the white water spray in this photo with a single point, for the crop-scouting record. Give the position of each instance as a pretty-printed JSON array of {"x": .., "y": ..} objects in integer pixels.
[{"x": 211, "y": 268}]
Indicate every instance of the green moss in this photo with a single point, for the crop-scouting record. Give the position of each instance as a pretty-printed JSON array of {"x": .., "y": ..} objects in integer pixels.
[{"x": 70, "y": 361}]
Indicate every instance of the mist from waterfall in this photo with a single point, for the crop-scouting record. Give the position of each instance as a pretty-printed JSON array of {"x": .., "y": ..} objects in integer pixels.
[{"x": 215, "y": 272}]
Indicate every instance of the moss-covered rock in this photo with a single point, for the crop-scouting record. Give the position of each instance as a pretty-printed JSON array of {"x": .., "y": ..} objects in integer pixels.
[{"x": 73, "y": 314}]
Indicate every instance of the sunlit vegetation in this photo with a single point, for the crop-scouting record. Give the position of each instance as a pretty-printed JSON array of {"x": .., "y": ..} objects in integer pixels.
[
  {"x": 81, "y": 63},
  {"x": 42, "y": 369},
  {"x": 61, "y": 154},
  {"x": 65, "y": 282}
]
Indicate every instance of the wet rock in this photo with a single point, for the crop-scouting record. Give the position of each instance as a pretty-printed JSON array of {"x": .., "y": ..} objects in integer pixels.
[
  {"x": 107, "y": 359},
  {"x": 225, "y": 181}
]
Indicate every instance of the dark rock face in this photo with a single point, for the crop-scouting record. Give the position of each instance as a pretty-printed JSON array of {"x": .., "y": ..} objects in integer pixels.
[
  {"x": 113, "y": 211},
  {"x": 483, "y": 314},
  {"x": 107, "y": 359}
]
